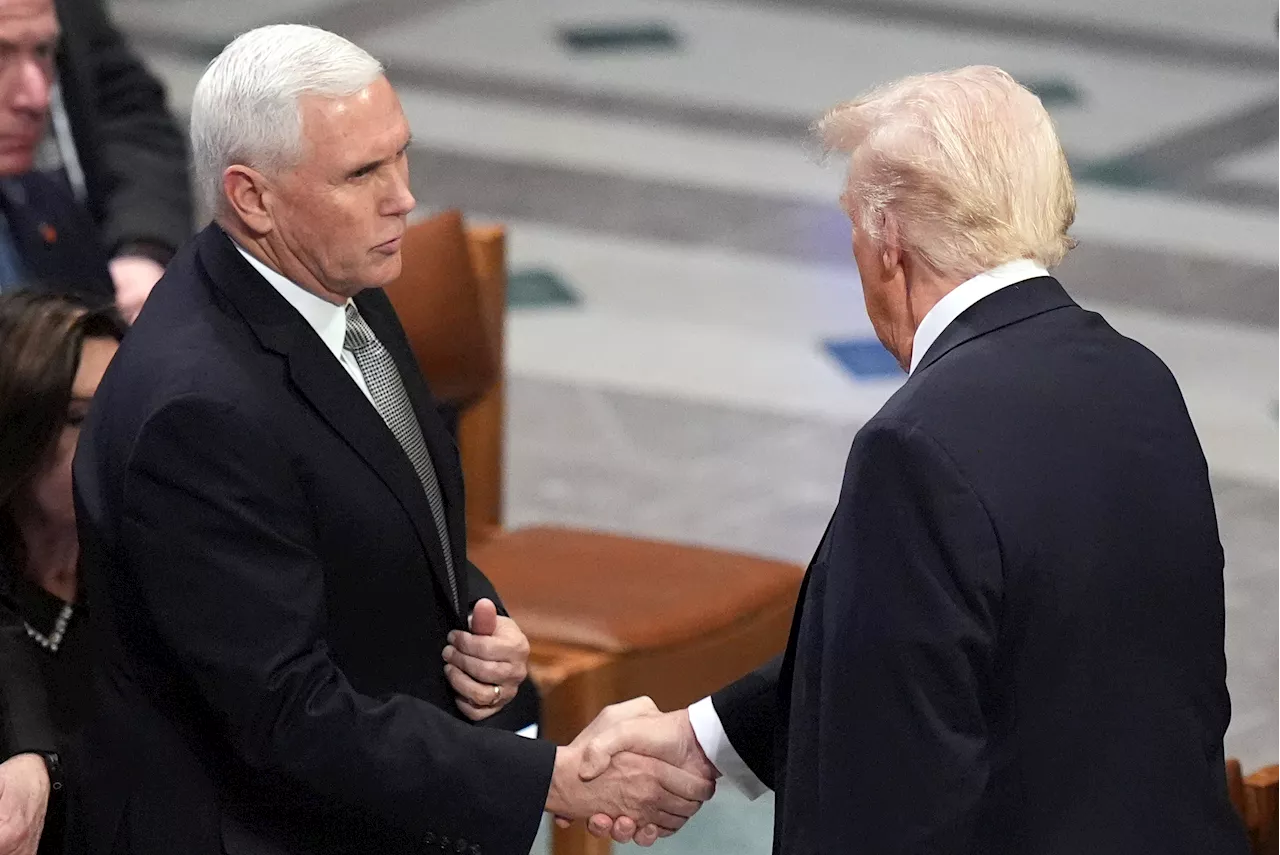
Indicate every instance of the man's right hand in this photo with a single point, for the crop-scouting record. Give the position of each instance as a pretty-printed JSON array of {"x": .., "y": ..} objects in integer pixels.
[
  {"x": 649, "y": 797},
  {"x": 24, "y": 798},
  {"x": 666, "y": 736}
]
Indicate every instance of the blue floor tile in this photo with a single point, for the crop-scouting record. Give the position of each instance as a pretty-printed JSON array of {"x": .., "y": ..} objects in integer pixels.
[{"x": 864, "y": 358}]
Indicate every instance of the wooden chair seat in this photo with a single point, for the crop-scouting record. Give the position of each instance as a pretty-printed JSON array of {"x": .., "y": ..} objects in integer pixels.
[
  {"x": 1255, "y": 798},
  {"x": 681, "y": 621}
]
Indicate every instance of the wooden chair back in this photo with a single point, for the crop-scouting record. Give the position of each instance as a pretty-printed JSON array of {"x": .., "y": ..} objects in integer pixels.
[
  {"x": 451, "y": 300},
  {"x": 1255, "y": 798}
]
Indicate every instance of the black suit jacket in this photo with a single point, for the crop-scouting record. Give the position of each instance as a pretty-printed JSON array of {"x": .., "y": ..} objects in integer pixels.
[
  {"x": 26, "y": 720},
  {"x": 56, "y": 239},
  {"x": 272, "y": 597},
  {"x": 1011, "y": 637},
  {"x": 132, "y": 151}
]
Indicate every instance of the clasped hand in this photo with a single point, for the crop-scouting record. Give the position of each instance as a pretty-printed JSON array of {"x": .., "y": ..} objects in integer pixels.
[
  {"x": 486, "y": 666},
  {"x": 636, "y": 774}
]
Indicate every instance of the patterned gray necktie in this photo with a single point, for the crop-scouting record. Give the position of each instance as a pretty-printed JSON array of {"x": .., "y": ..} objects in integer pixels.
[{"x": 392, "y": 403}]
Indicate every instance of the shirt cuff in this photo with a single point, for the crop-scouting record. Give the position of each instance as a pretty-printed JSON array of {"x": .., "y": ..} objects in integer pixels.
[{"x": 720, "y": 751}]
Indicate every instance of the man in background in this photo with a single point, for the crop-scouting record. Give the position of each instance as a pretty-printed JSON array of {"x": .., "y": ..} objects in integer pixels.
[
  {"x": 119, "y": 149},
  {"x": 94, "y": 193},
  {"x": 46, "y": 237}
]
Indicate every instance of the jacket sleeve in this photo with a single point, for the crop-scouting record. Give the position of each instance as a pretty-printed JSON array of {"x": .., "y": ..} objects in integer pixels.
[
  {"x": 25, "y": 724},
  {"x": 133, "y": 152},
  {"x": 479, "y": 587},
  {"x": 907, "y": 652},
  {"x": 218, "y": 534},
  {"x": 748, "y": 711}
]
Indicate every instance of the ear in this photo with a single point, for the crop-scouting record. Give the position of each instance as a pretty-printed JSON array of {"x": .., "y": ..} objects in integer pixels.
[
  {"x": 891, "y": 247},
  {"x": 246, "y": 191}
]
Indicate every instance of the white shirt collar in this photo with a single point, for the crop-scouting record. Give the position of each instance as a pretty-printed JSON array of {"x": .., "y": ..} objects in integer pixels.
[
  {"x": 965, "y": 295},
  {"x": 329, "y": 321}
]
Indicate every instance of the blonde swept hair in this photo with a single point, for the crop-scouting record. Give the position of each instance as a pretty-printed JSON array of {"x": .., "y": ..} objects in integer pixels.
[{"x": 965, "y": 165}]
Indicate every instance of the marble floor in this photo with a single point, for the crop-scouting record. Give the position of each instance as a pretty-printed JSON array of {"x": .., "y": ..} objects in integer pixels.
[{"x": 677, "y": 371}]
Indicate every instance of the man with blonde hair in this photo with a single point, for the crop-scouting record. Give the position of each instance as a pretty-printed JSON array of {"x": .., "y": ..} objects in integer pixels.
[{"x": 1010, "y": 639}]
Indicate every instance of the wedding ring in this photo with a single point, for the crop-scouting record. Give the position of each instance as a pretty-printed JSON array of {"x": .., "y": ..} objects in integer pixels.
[{"x": 497, "y": 696}]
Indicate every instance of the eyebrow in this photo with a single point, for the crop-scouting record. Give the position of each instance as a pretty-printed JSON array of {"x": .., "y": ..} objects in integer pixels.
[{"x": 50, "y": 42}]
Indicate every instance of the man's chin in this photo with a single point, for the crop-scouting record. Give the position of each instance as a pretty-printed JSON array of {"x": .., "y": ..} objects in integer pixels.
[
  {"x": 386, "y": 271},
  {"x": 15, "y": 162}
]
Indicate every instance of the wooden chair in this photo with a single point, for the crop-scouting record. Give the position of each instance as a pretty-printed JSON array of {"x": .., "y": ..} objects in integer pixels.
[
  {"x": 1255, "y": 799},
  {"x": 608, "y": 617}
]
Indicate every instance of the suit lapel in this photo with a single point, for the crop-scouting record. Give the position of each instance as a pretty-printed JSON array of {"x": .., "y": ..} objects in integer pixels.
[
  {"x": 325, "y": 385},
  {"x": 1009, "y": 305}
]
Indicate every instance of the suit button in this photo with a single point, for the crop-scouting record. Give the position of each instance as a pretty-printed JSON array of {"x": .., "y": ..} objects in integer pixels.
[
  {"x": 444, "y": 842},
  {"x": 430, "y": 838},
  {"x": 460, "y": 846}
]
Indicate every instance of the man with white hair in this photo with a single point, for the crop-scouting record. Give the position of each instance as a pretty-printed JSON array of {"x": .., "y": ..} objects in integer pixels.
[
  {"x": 1010, "y": 639},
  {"x": 272, "y": 529}
]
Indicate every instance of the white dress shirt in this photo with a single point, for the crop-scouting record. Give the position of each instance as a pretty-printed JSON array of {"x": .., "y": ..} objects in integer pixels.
[
  {"x": 965, "y": 295},
  {"x": 328, "y": 320},
  {"x": 702, "y": 715}
]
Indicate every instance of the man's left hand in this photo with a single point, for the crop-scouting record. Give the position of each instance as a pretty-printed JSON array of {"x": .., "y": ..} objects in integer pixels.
[
  {"x": 486, "y": 665},
  {"x": 134, "y": 277}
]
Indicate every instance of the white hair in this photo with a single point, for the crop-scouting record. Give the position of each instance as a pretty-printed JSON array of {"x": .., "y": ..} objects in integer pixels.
[
  {"x": 245, "y": 110},
  {"x": 965, "y": 165}
]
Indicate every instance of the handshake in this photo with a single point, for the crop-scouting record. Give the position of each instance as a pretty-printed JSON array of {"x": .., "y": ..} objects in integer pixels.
[{"x": 635, "y": 774}]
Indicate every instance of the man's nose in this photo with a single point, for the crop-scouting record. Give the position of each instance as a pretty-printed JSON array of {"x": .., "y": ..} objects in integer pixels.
[
  {"x": 401, "y": 201},
  {"x": 33, "y": 86}
]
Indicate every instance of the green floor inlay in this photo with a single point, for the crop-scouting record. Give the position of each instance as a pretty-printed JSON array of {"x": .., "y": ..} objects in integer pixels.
[
  {"x": 1115, "y": 172},
  {"x": 538, "y": 287},
  {"x": 1054, "y": 92},
  {"x": 619, "y": 37}
]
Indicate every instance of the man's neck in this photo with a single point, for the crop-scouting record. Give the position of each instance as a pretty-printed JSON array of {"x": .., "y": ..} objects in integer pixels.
[
  {"x": 926, "y": 291},
  {"x": 278, "y": 258}
]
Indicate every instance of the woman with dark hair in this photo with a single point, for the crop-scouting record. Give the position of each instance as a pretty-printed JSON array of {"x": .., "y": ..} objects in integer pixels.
[{"x": 53, "y": 353}]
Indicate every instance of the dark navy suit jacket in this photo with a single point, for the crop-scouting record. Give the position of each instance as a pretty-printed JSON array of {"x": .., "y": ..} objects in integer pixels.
[
  {"x": 56, "y": 239},
  {"x": 1010, "y": 639}
]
